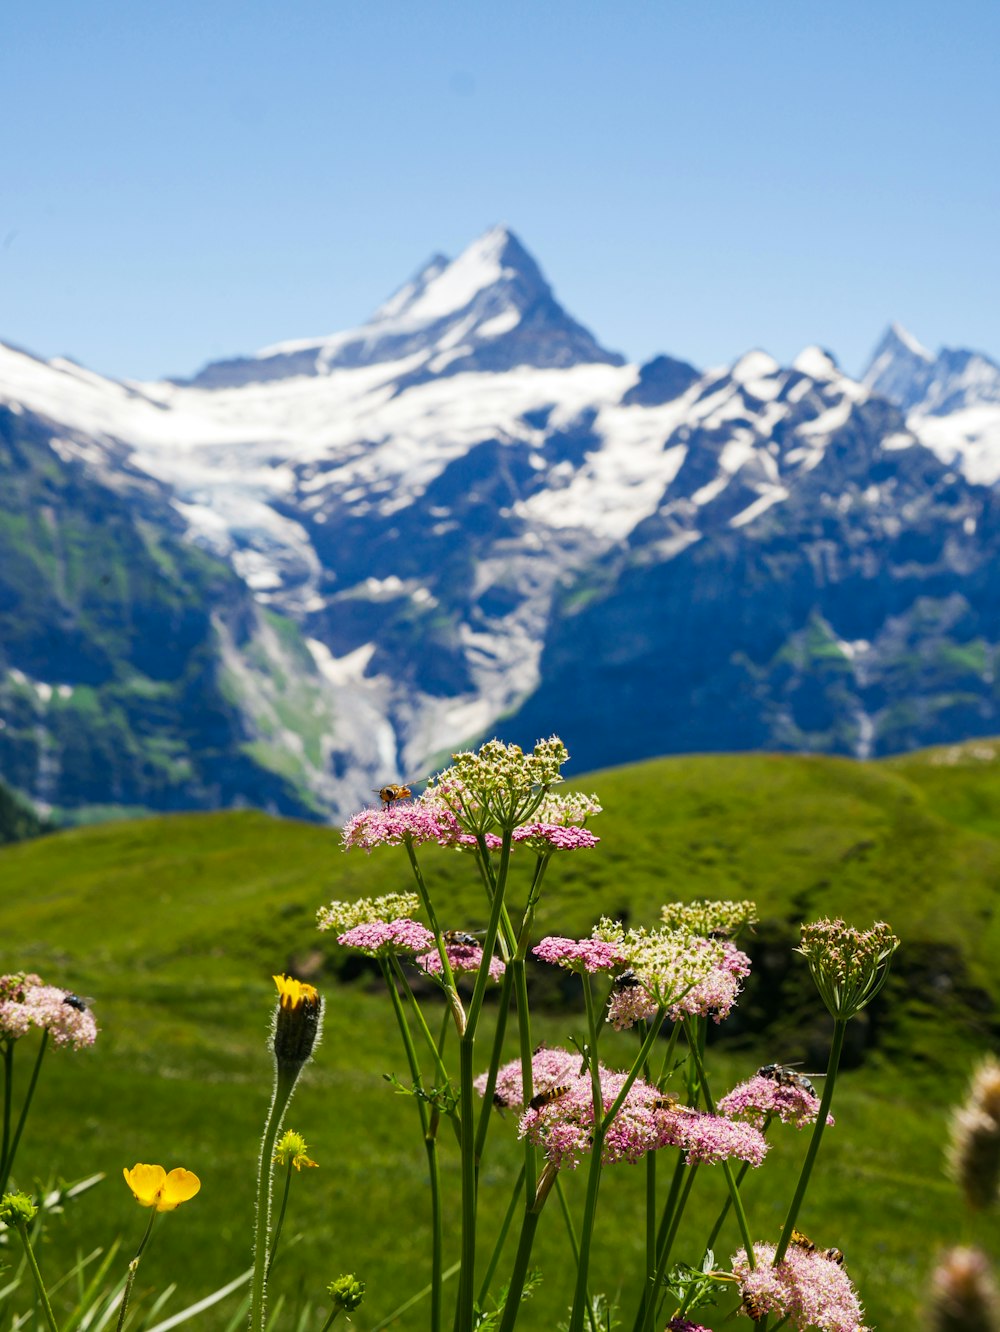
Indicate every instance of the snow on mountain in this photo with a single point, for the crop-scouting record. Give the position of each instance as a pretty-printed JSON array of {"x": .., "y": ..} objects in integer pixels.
[{"x": 952, "y": 400}]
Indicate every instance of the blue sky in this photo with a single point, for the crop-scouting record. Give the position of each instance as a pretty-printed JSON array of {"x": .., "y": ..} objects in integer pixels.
[{"x": 186, "y": 181}]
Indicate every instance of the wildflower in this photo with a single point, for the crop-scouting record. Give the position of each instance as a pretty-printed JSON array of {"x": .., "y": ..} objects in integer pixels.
[
  {"x": 580, "y": 954},
  {"x": 974, "y": 1153},
  {"x": 16, "y": 1210},
  {"x": 498, "y": 786},
  {"x": 153, "y": 1187},
  {"x": 381, "y": 937},
  {"x": 759, "y": 1099},
  {"x": 710, "y": 1138},
  {"x": 415, "y": 822},
  {"x": 964, "y": 1294},
  {"x": 685, "y": 1325},
  {"x": 807, "y": 1287},
  {"x": 297, "y": 1021},
  {"x": 347, "y": 1292},
  {"x": 706, "y": 917},
  {"x": 849, "y": 966},
  {"x": 343, "y": 916},
  {"x": 673, "y": 969},
  {"x": 544, "y": 838},
  {"x": 292, "y": 1150},
  {"x": 462, "y": 957},
  {"x": 26, "y": 1002}
]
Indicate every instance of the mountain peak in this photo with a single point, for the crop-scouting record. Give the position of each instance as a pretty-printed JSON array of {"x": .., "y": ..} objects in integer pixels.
[
  {"x": 490, "y": 309},
  {"x": 899, "y": 368}
]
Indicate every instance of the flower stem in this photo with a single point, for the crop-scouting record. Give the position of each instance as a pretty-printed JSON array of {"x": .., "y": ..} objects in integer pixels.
[
  {"x": 281, "y": 1219},
  {"x": 649, "y": 1289},
  {"x": 836, "y": 1049},
  {"x": 9, "y": 1154},
  {"x": 519, "y": 1272},
  {"x": 284, "y": 1085},
  {"x": 429, "y": 1126},
  {"x": 22, "y": 1229},
  {"x": 575, "y": 1246},
  {"x": 580, "y": 1297},
  {"x": 133, "y": 1267},
  {"x": 8, "y": 1093},
  {"x": 727, "y": 1170},
  {"x": 656, "y": 1294},
  {"x": 491, "y": 1268}
]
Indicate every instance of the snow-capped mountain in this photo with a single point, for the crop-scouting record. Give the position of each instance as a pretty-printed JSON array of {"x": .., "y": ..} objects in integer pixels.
[
  {"x": 952, "y": 400},
  {"x": 467, "y": 509}
]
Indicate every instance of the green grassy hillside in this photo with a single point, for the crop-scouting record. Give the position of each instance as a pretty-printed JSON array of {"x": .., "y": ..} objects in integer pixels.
[{"x": 175, "y": 924}]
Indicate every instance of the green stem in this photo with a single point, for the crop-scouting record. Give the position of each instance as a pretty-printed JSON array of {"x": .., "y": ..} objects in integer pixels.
[
  {"x": 836, "y": 1049},
  {"x": 506, "y": 986},
  {"x": 574, "y": 1244},
  {"x": 433, "y": 1046},
  {"x": 281, "y": 1219},
  {"x": 519, "y": 1272},
  {"x": 491, "y": 1268},
  {"x": 649, "y": 1289},
  {"x": 333, "y": 1315},
  {"x": 284, "y": 1084},
  {"x": 22, "y": 1228},
  {"x": 429, "y": 1125},
  {"x": 580, "y": 1296},
  {"x": 727, "y": 1169},
  {"x": 8, "y": 1095},
  {"x": 9, "y": 1155},
  {"x": 425, "y": 899},
  {"x": 656, "y": 1294},
  {"x": 467, "y": 1274},
  {"x": 650, "y": 1215},
  {"x": 133, "y": 1267}
]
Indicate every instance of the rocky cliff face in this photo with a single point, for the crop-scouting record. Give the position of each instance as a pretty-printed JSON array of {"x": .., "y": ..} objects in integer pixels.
[{"x": 339, "y": 557}]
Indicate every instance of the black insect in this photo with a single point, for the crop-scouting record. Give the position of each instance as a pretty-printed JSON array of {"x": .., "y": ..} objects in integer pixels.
[
  {"x": 626, "y": 980},
  {"x": 76, "y": 1002},
  {"x": 785, "y": 1076}
]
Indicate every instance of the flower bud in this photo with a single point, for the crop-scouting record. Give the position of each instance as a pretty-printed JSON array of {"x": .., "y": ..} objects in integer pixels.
[
  {"x": 849, "y": 966},
  {"x": 347, "y": 1292},
  {"x": 297, "y": 1021},
  {"x": 974, "y": 1153},
  {"x": 17, "y": 1209}
]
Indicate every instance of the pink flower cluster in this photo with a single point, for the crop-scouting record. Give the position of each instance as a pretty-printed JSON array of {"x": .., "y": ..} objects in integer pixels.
[
  {"x": 685, "y": 1325},
  {"x": 378, "y": 937},
  {"x": 428, "y": 819},
  {"x": 759, "y": 1099},
  {"x": 559, "y": 1117},
  {"x": 462, "y": 957},
  {"x": 411, "y": 820},
  {"x": 547, "y": 837},
  {"x": 807, "y": 1287},
  {"x": 580, "y": 954},
  {"x": 26, "y": 1002}
]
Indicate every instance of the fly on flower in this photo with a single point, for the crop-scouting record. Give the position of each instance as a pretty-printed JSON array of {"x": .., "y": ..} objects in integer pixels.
[
  {"x": 392, "y": 792},
  {"x": 785, "y": 1076},
  {"x": 544, "y": 1098},
  {"x": 80, "y": 1003}
]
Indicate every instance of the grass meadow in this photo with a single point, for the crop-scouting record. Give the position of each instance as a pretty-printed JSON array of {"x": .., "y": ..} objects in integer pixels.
[{"x": 174, "y": 925}]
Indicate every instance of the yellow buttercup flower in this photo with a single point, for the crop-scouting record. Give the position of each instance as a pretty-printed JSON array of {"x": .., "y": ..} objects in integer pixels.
[
  {"x": 153, "y": 1187},
  {"x": 294, "y": 993}
]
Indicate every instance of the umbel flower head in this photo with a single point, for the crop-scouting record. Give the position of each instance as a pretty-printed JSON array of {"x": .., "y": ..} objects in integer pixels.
[
  {"x": 297, "y": 1021},
  {"x": 708, "y": 917},
  {"x": 344, "y": 916},
  {"x": 760, "y": 1099},
  {"x": 849, "y": 966},
  {"x": 26, "y": 1002},
  {"x": 809, "y": 1288},
  {"x": 974, "y": 1151},
  {"x": 498, "y": 786},
  {"x": 153, "y": 1187}
]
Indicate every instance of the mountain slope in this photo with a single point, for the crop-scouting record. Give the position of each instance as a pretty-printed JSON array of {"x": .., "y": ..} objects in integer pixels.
[{"x": 134, "y": 669}]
